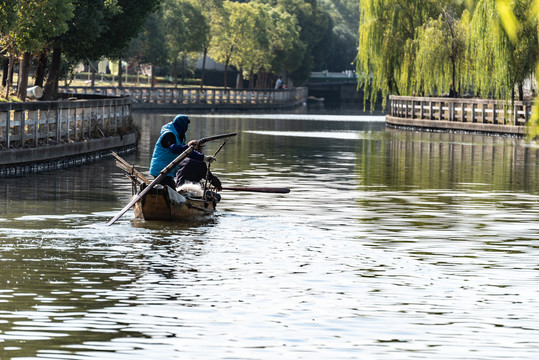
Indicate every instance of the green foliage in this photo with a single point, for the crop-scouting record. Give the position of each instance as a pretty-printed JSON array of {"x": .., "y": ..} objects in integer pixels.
[
  {"x": 386, "y": 52},
  {"x": 312, "y": 22},
  {"x": 151, "y": 44},
  {"x": 337, "y": 50},
  {"x": 489, "y": 47},
  {"x": 124, "y": 25},
  {"x": 440, "y": 46},
  {"x": 29, "y": 24},
  {"x": 253, "y": 52},
  {"x": 285, "y": 42},
  {"x": 187, "y": 28},
  {"x": 224, "y": 33},
  {"x": 502, "y": 47}
]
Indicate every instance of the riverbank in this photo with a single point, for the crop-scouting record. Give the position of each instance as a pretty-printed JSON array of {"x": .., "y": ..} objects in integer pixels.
[
  {"x": 459, "y": 114},
  {"x": 46, "y": 135}
]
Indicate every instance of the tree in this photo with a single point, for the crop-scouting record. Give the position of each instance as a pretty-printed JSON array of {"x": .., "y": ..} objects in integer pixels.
[
  {"x": 287, "y": 49},
  {"x": 312, "y": 22},
  {"x": 440, "y": 53},
  {"x": 225, "y": 33},
  {"x": 337, "y": 49},
  {"x": 8, "y": 17},
  {"x": 28, "y": 26},
  {"x": 100, "y": 28},
  {"x": 515, "y": 26},
  {"x": 253, "y": 51},
  {"x": 187, "y": 30},
  {"x": 342, "y": 50},
  {"x": 386, "y": 57},
  {"x": 209, "y": 10},
  {"x": 525, "y": 51},
  {"x": 502, "y": 58},
  {"x": 151, "y": 44}
]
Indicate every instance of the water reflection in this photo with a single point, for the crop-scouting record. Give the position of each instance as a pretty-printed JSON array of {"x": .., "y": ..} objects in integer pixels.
[
  {"x": 391, "y": 244},
  {"x": 450, "y": 160}
]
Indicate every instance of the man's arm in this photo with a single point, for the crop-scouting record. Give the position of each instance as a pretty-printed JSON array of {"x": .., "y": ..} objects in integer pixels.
[{"x": 178, "y": 149}]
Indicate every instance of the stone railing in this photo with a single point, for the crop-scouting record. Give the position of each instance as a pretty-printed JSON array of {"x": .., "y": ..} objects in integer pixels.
[
  {"x": 207, "y": 98},
  {"x": 39, "y": 123},
  {"x": 459, "y": 114}
]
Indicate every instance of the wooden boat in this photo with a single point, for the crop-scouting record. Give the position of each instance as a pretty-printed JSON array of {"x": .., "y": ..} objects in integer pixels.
[
  {"x": 154, "y": 201},
  {"x": 162, "y": 203},
  {"x": 139, "y": 181}
]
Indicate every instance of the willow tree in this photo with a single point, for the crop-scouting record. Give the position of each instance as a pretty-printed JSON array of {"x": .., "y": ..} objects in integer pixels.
[
  {"x": 503, "y": 55},
  {"x": 440, "y": 53},
  {"x": 533, "y": 125},
  {"x": 519, "y": 20},
  {"x": 525, "y": 50},
  {"x": 386, "y": 51},
  {"x": 488, "y": 47}
]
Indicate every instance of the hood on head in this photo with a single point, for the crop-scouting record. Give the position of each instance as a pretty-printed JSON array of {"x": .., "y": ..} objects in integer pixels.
[{"x": 181, "y": 123}]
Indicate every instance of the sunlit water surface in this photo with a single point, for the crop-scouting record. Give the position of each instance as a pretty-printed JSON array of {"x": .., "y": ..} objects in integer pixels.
[{"x": 391, "y": 245}]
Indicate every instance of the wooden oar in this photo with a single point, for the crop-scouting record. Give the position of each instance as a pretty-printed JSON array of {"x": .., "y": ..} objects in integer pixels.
[
  {"x": 129, "y": 169},
  {"x": 259, "y": 189},
  {"x": 165, "y": 172}
]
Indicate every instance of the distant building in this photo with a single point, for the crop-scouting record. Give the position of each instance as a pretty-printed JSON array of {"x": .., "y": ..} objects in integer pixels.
[{"x": 210, "y": 64}]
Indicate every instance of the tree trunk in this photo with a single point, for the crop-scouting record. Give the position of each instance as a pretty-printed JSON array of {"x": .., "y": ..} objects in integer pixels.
[
  {"x": 453, "y": 76},
  {"x": 251, "y": 79},
  {"x": 175, "y": 72},
  {"x": 5, "y": 72},
  {"x": 239, "y": 79},
  {"x": 24, "y": 70},
  {"x": 225, "y": 75},
  {"x": 9, "y": 79},
  {"x": 203, "y": 68},
  {"x": 183, "y": 69},
  {"x": 92, "y": 72},
  {"x": 41, "y": 69},
  {"x": 120, "y": 70},
  {"x": 152, "y": 76},
  {"x": 520, "y": 91},
  {"x": 51, "y": 86}
]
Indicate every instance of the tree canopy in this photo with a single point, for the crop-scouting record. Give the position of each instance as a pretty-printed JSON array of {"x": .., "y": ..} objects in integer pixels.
[{"x": 486, "y": 47}]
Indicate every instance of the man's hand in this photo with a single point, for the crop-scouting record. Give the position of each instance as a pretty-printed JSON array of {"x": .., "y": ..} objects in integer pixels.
[
  {"x": 209, "y": 159},
  {"x": 193, "y": 143}
]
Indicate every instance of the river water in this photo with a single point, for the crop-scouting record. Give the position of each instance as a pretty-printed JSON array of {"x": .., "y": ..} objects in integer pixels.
[{"x": 392, "y": 244}]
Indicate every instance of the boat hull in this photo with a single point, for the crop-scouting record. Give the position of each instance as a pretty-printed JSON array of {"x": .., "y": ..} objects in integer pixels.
[{"x": 162, "y": 203}]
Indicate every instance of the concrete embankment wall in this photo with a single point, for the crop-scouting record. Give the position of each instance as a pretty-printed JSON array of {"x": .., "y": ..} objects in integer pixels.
[
  {"x": 458, "y": 114},
  {"x": 40, "y": 136},
  {"x": 16, "y": 162}
]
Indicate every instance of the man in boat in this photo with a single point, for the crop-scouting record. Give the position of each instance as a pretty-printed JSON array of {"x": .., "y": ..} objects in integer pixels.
[
  {"x": 169, "y": 145},
  {"x": 191, "y": 170}
]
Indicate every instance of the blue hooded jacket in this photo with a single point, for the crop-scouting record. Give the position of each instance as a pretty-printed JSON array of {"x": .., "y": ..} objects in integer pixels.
[{"x": 162, "y": 156}]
